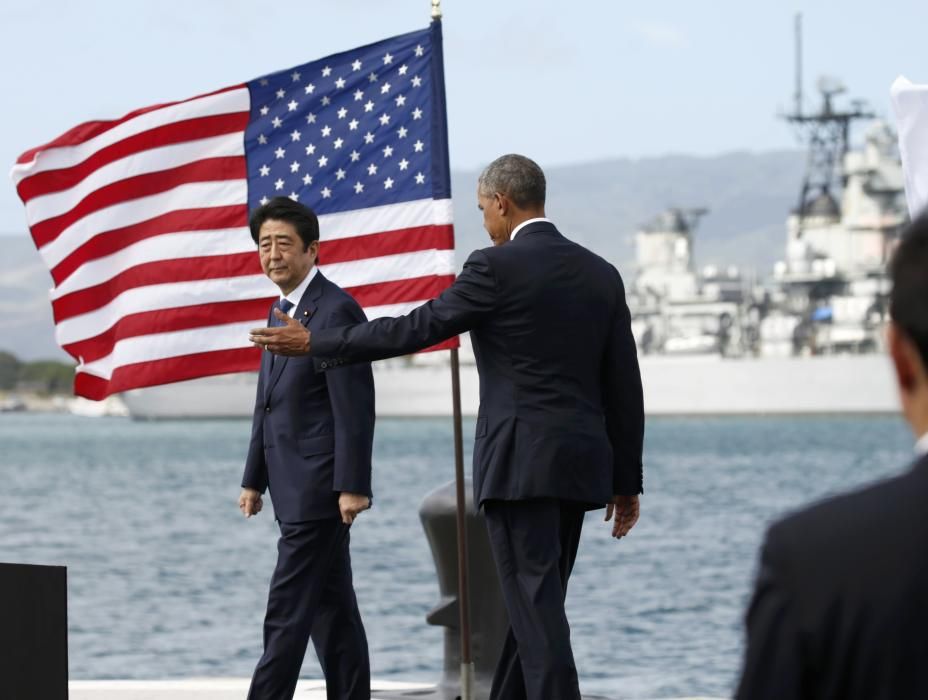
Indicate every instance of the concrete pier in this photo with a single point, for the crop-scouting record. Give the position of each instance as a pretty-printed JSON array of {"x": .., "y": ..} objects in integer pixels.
[{"x": 222, "y": 689}]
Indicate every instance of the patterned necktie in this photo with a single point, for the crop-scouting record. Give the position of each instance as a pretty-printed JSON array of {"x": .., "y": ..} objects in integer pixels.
[{"x": 284, "y": 305}]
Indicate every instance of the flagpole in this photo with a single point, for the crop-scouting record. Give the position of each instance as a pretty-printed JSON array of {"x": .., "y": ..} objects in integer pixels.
[{"x": 467, "y": 664}]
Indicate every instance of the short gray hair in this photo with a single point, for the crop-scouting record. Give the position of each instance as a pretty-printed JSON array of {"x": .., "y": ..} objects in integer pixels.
[{"x": 517, "y": 177}]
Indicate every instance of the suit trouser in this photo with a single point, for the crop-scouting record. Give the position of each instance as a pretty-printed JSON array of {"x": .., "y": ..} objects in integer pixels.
[
  {"x": 311, "y": 596},
  {"x": 534, "y": 545}
]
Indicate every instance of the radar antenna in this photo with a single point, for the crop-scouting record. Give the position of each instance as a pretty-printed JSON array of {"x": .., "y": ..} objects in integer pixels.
[{"x": 824, "y": 132}]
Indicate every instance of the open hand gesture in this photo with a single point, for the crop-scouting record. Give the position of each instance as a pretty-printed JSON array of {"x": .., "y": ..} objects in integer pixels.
[{"x": 290, "y": 339}]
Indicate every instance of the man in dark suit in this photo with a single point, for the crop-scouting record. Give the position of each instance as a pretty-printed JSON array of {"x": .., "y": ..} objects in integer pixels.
[
  {"x": 561, "y": 422},
  {"x": 311, "y": 441},
  {"x": 840, "y": 610}
]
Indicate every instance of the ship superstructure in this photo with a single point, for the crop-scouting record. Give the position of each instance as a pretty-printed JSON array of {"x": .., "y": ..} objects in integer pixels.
[
  {"x": 828, "y": 295},
  {"x": 678, "y": 310},
  {"x": 833, "y": 281}
]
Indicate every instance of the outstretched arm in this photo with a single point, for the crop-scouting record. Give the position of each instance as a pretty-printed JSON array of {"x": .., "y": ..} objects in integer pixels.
[{"x": 459, "y": 308}]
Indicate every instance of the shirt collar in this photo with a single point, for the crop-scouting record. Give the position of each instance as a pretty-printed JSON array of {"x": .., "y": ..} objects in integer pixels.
[
  {"x": 921, "y": 447},
  {"x": 296, "y": 295},
  {"x": 526, "y": 223}
]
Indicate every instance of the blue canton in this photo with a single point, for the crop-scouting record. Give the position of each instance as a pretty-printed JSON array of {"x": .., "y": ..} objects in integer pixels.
[{"x": 349, "y": 131}]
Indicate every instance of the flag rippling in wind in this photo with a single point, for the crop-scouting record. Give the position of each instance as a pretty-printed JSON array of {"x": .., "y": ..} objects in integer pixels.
[{"x": 143, "y": 221}]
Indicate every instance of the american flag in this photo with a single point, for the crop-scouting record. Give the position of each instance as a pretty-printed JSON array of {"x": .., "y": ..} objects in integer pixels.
[{"x": 143, "y": 221}]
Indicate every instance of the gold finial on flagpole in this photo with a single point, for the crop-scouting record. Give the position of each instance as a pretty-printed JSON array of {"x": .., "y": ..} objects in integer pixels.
[{"x": 436, "y": 9}]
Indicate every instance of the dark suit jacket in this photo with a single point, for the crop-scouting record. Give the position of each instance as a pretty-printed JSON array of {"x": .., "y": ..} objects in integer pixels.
[
  {"x": 841, "y": 604},
  {"x": 312, "y": 431},
  {"x": 561, "y": 411}
]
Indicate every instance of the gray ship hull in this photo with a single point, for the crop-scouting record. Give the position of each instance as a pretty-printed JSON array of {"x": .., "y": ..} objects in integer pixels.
[{"x": 672, "y": 386}]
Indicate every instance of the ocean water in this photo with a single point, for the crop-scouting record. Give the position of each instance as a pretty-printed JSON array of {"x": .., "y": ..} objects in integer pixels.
[{"x": 167, "y": 580}]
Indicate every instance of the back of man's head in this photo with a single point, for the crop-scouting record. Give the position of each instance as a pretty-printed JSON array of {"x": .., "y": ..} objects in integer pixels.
[
  {"x": 519, "y": 178},
  {"x": 908, "y": 301}
]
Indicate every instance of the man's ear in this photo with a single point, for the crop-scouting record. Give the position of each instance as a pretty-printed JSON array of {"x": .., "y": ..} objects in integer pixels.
[
  {"x": 904, "y": 356},
  {"x": 502, "y": 201},
  {"x": 314, "y": 249}
]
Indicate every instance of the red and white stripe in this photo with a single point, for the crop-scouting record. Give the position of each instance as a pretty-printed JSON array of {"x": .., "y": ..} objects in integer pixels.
[{"x": 143, "y": 224}]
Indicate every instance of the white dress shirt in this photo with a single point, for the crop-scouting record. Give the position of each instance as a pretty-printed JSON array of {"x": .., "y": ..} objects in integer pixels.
[
  {"x": 921, "y": 447},
  {"x": 526, "y": 223},
  {"x": 296, "y": 295}
]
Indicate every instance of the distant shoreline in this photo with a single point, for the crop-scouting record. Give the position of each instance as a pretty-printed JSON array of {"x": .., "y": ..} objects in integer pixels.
[{"x": 31, "y": 402}]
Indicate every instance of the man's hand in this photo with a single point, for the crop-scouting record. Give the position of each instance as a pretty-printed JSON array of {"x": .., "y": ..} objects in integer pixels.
[
  {"x": 249, "y": 502},
  {"x": 350, "y": 504},
  {"x": 626, "y": 514},
  {"x": 290, "y": 339}
]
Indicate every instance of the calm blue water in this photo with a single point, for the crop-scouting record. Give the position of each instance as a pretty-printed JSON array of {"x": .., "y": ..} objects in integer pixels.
[{"x": 166, "y": 579}]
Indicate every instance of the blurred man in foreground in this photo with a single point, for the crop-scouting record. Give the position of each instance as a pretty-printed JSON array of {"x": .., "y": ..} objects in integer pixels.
[{"x": 840, "y": 609}]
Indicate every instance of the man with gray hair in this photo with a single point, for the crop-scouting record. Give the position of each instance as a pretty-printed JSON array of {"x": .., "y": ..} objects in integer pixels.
[{"x": 561, "y": 421}]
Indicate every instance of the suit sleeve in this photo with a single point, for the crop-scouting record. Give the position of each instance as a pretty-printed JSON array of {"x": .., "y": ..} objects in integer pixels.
[
  {"x": 623, "y": 401},
  {"x": 459, "y": 308},
  {"x": 255, "y": 476},
  {"x": 773, "y": 654},
  {"x": 351, "y": 395}
]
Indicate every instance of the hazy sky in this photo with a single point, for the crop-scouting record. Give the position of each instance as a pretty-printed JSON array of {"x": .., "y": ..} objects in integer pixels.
[{"x": 563, "y": 82}]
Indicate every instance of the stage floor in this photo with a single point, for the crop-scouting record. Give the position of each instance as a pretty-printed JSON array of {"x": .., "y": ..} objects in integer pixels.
[{"x": 230, "y": 689}]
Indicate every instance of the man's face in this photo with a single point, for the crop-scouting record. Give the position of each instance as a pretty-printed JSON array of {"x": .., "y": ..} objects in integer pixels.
[
  {"x": 494, "y": 219},
  {"x": 282, "y": 256}
]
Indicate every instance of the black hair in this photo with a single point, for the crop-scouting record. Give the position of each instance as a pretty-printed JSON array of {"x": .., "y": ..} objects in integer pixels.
[
  {"x": 908, "y": 301},
  {"x": 303, "y": 218}
]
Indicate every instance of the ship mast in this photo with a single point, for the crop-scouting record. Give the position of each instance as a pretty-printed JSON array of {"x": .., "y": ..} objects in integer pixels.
[{"x": 825, "y": 134}]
